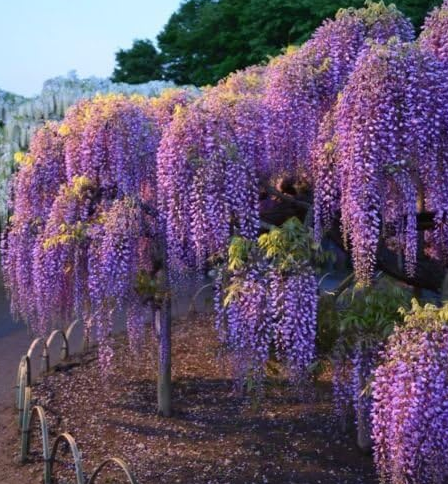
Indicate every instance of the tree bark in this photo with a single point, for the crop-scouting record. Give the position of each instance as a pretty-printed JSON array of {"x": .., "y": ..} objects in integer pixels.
[
  {"x": 163, "y": 302},
  {"x": 163, "y": 330}
]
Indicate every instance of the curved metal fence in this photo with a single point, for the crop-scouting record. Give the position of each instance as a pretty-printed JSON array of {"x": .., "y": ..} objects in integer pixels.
[
  {"x": 27, "y": 415},
  {"x": 36, "y": 412},
  {"x": 118, "y": 463},
  {"x": 66, "y": 437}
]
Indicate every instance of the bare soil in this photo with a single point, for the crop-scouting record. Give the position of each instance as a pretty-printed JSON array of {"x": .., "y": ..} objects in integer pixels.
[{"x": 215, "y": 435}]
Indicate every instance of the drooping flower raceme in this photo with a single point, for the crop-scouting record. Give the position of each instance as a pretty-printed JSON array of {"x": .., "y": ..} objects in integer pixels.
[
  {"x": 272, "y": 313},
  {"x": 391, "y": 127},
  {"x": 350, "y": 381},
  {"x": 326, "y": 173},
  {"x": 410, "y": 402},
  {"x": 303, "y": 84},
  {"x": 42, "y": 167},
  {"x": 266, "y": 304},
  {"x": 81, "y": 247},
  {"x": 208, "y": 165}
]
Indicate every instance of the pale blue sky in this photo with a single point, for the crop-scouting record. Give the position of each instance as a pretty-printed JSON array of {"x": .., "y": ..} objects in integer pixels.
[{"x": 40, "y": 39}]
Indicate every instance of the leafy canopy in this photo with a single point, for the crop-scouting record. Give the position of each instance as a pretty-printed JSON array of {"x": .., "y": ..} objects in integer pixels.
[
  {"x": 290, "y": 244},
  {"x": 205, "y": 40},
  {"x": 141, "y": 63}
]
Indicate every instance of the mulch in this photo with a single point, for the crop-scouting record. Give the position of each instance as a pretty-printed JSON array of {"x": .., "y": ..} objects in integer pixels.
[{"x": 214, "y": 436}]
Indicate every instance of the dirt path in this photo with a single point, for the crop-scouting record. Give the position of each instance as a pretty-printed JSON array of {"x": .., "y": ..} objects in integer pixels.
[
  {"x": 12, "y": 347},
  {"x": 14, "y": 342},
  {"x": 214, "y": 435}
]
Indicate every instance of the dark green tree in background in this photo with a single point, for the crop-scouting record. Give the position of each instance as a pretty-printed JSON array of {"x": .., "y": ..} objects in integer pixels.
[
  {"x": 140, "y": 63},
  {"x": 204, "y": 40}
]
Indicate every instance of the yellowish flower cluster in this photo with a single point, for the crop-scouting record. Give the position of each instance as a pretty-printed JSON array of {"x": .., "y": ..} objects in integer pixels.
[{"x": 22, "y": 158}]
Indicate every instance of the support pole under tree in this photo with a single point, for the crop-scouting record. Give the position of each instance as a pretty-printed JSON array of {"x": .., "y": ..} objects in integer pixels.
[
  {"x": 162, "y": 320},
  {"x": 163, "y": 331},
  {"x": 364, "y": 430},
  {"x": 364, "y": 427}
]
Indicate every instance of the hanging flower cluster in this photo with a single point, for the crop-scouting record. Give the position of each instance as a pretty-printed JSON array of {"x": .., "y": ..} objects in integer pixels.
[
  {"x": 83, "y": 246},
  {"x": 342, "y": 375},
  {"x": 324, "y": 157},
  {"x": 208, "y": 171},
  {"x": 381, "y": 157},
  {"x": 43, "y": 166},
  {"x": 364, "y": 362},
  {"x": 365, "y": 320},
  {"x": 434, "y": 36},
  {"x": 303, "y": 84},
  {"x": 266, "y": 303},
  {"x": 110, "y": 143},
  {"x": 256, "y": 125},
  {"x": 391, "y": 125},
  {"x": 410, "y": 394},
  {"x": 350, "y": 380}
]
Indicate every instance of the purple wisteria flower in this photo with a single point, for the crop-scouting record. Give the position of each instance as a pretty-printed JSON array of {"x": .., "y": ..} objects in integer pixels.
[{"x": 410, "y": 403}]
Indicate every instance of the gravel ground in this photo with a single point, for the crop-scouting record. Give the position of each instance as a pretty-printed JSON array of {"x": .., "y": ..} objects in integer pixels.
[{"x": 214, "y": 435}]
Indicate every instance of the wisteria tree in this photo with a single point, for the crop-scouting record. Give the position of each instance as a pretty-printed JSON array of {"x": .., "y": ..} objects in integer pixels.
[
  {"x": 85, "y": 241},
  {"x": 409, "y": 414},
  {"x": 348, "y": 132},
  {"x": 380, "y": 165},
  {"x": 223, "y": 162}
]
